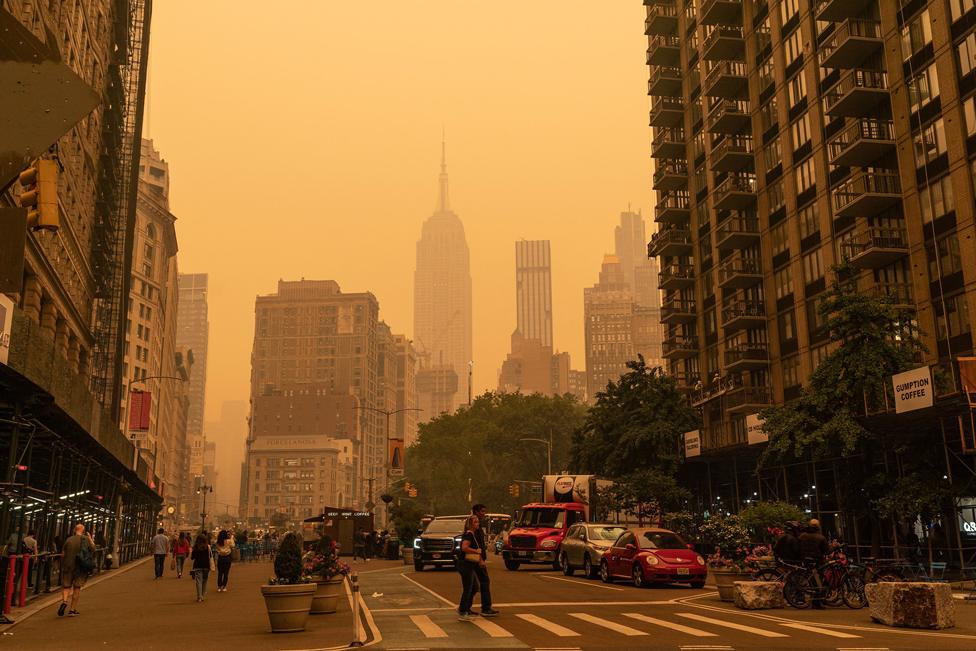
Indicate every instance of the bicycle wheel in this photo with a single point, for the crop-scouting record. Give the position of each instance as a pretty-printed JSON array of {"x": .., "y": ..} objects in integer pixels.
[
  {"x": 797, "y": 590},
  {"x": 768, "y": 574},
  {"x": 853, "y": 592}
]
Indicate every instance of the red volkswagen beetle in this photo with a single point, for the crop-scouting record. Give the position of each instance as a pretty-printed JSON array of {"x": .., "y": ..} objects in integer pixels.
[{"x": 649, "y": 556}]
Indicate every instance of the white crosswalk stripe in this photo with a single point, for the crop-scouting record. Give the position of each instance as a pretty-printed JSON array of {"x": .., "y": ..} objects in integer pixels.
[
  {"x": 681, "y": 628},
  {"x": 427, "y": 626},
  {"x": 491, "y": 628},
  {"x": 821, "y": 631},
  {"x": 552, "y": 627},
  {"x": 738, "y": 627},
  {"x": 606, "y": 623}
]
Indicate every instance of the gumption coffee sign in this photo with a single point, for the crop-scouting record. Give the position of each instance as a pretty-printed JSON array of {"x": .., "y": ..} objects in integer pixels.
[{"x": 913, "y": 389}]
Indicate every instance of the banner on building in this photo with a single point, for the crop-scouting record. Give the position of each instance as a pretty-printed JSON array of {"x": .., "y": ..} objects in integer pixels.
[
  {"x": 6, "y": 326},
  {"x": 140, "y": 406},
  {"x": 692, "y": 443},
  {"x": 754, "y": 430},
  {"x": 967, "y": 377},
  {"x": 913, "y": 389},
  {"x": 396, "y": 455}
]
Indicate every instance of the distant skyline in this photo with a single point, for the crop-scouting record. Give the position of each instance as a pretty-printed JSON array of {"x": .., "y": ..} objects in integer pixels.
[{"x": 320, "y": 160}]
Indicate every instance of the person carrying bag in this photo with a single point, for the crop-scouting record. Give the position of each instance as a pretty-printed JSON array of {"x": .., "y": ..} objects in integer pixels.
[{"x": 472, "y": 566}]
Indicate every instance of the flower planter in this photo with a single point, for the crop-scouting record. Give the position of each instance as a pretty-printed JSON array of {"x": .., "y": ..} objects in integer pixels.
[
  {"x": 725, "y": 582},
  {"x": 407, "y": 554},
  {"x": 288, "y": 605},
  {"x": 327, "y": 593}
]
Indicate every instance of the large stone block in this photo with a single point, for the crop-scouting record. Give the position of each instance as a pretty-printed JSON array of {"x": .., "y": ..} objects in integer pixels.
[
  {"x": 758, "y": 595},
  {"x": 912, "y": 605}
]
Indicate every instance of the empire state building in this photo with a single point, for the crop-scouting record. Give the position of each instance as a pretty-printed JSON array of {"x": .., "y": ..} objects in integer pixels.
[{"x": 442, "y": 303}]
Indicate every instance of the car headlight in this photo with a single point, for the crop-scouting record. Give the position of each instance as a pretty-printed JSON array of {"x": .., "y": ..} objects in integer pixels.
[
  {"x": 701, "y": 561},
  {"x": 652, "y": 559},
  {"x": 416, "y": 543},
  {"x": 549, "y": 544}
]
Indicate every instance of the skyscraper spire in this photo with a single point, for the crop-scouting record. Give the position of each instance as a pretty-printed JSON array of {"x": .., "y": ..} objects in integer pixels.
[{"x": 444, "y": 204}]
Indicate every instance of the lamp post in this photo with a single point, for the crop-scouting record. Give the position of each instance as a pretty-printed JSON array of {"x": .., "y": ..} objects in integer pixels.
[
  {"x": 204, "y": 489},
  {"x": 388, "y": 414},
  {"x": 548, "y": 445}
]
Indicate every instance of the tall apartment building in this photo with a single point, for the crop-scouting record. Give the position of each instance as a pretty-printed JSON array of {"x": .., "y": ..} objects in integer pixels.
[
  {"x": 406, "y": 390},
  {"x": 442, "y": 300},
  {"x": 630, "y": 247},
  {"x": 192, "y": 336},
  {"x": 533, "y": 290},
  {"x": 789, "y": 137},
  {"x": 608, "y": 317}
]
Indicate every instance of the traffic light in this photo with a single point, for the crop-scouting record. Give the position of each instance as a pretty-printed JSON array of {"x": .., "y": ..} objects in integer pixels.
[
  {"x": 413, "y": 491},
  {"x": 40, "y": 195},
  {"x": 513, "y": 489}
]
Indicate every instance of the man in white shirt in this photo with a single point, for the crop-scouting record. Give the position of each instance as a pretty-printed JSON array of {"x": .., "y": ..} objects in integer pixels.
[{"x": 160, "y": 548}]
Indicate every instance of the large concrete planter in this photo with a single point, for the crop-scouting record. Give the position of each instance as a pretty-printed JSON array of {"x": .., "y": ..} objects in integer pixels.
[
  {"x": 725, "y": 582},
  {"x": 911, "y": 605},
  {"x": 327, "y": 593},
  {"x": 407, "y": 554},
  {"x": 288, "y": 606}
]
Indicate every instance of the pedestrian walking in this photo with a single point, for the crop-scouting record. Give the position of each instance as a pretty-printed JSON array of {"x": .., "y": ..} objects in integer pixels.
[
  {"x": 202, "y": 560},
  {"x": 181, "y": 549},
  {"x": 160, "y": 547},
  {"x": 225, "y": 550},
  {"x": 77, "y": 562},
  {"x": 359, "y": 545},
  {"x": 814, "y": 549},
  {"x": 29, "y": 545},
  {"x": 473, "y": 568}
]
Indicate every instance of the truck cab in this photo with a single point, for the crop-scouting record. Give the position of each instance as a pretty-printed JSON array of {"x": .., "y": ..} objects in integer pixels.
[{"x": 539, "y": 531}]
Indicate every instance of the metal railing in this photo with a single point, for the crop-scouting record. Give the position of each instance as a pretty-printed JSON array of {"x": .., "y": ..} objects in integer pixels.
[
  {"x": 852, "y": 27},
  {"x": 854, "y": 79},
  {"x": 857, "y": 130},
  {"x": 738, "y": 265},
  {"x": 864, "y": 183}
]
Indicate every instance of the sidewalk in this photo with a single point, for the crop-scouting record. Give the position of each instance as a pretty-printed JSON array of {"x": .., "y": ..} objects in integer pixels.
[{"x": 131, "y": 610}]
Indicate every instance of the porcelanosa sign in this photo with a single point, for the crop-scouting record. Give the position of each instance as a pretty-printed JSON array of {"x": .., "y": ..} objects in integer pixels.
[
  {"x": 6, "y": 326},
  {"x": 913, "y": 389}
]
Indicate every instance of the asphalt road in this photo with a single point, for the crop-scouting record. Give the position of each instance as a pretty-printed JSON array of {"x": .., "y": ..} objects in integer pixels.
[{"x": 542, "y": 609}]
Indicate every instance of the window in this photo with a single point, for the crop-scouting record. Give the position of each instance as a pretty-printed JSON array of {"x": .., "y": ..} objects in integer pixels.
[
  {"x": 793, "y": 49},
  {"x": 809, "y": 222},
  {"x": 805, "y": 175},
  {"x": 969, "y": 111},
  {"x": 817, "y": 355},
  {"x": 923, "y": 88},
  {"x": 930, "y": 142},
  {"x": 791, "y": 371},
  {"x": 787, "y": 326},
  {"x": 776, "y": 197},
  {"x": 966, "y": 54},
  {"x": 767, "y": 115},
  {"x": 772, "y": 155},
  {"x": 766, "y": 75},
  {"x": 788, "y": 9},
  {"x": 797, "y": 87},
  {"x": 783, "y": 279},
  {"x": 937, "y": 200},
  {"x": 949, "y": 261},
  {"x": 916, "y": 34},
  {"x": 780, "y": 238},
  {"x": 958, "y": 8},
  {"x": 800, "y": 130},
  {"x": 812, "y": 267},
  {"x": 954, "y": 320}
]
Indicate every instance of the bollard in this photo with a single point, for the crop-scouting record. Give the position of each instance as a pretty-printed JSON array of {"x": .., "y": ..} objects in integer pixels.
[
  {"x": 24, "y": 566},
  {"x": 356, "y": 639},
  {"x": 8, "y": 594}
]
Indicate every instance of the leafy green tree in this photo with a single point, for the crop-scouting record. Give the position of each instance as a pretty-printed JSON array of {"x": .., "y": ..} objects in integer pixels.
[
  {"x": 759, "y": 517},
  {"x": 648, "y": 494}
]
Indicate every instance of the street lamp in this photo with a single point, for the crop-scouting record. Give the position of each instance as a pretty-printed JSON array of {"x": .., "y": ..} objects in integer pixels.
[
  {"x": 204, "y": 489},
  {"x": 388, "y": 413},
  {"x": 548, "y": 445}
]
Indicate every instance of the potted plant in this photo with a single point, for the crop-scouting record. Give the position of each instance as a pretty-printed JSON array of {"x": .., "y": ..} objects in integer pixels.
[
  {"x": 728, "y": 562},
  {"x": 321, "y": 565},
  {"x": 288, "y": 596}
]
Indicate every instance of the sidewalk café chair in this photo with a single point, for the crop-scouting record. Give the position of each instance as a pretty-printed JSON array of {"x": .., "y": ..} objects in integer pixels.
[{"x": 937, "y": 570}]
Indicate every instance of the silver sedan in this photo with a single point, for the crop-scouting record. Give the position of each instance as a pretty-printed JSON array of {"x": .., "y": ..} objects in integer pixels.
[{"x": 583, "y": 547}]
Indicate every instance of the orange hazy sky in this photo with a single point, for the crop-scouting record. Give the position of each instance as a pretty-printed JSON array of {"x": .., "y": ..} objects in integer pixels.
[{"x": 303, "y": 139}]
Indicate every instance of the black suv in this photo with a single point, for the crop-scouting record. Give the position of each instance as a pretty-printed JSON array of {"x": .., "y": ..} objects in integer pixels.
[{"x": 438, "y": 543}]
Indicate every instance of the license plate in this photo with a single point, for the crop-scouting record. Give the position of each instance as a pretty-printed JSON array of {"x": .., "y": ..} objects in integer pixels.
[
  {"x": 683, "y": 570},
  {"x": 436, "y": 555},
  {"x": 525, "y": 554}
]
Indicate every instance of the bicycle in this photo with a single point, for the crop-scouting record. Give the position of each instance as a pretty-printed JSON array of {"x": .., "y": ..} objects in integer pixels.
[{"x": 803, "y": 585}]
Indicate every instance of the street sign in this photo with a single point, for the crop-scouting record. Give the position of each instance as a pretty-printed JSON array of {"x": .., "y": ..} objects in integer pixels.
[
  {"x": 913, "y": 389},
  {"x": 396, "y": 472},
  {"x": 692, "y": 443}
]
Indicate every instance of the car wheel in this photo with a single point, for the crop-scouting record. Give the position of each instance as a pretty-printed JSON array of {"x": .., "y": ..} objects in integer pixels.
[
  {"x": 418, "y": 567},
  {"x": 638, "y": 574},
  {"x": 566, "y": 567},
  {"x": 698, "y": 585},
  {"x": 605, "y": 575},
  {"x": 588, "y": 570},
  {"x": 511, "y": 565}
]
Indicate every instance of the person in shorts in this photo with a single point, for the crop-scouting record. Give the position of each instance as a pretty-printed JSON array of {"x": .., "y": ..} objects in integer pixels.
[{"x": 73, "y": 577}]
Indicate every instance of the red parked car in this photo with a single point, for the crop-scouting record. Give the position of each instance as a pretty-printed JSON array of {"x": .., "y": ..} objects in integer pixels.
[{"x": 651, "y": 555}]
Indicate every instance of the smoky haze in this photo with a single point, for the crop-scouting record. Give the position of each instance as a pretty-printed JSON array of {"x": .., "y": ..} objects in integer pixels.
[{"x": 304, "y": 141}]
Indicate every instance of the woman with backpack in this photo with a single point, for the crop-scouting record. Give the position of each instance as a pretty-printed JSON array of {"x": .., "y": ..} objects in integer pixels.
[
  {"x": 77, "y": 562},
  {"x": 202, "y": 563}
]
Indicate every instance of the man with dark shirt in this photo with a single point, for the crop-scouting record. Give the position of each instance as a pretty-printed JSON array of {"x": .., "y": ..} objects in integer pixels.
[
  {"x": 73, "y": 576},
  {"x": 482, "y": 512},
  {"x": 787, "y": 547},
  {"x": 814, "y": 549}
]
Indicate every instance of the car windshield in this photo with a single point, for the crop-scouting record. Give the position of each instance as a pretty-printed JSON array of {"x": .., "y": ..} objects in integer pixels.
[
  {"x": 661, "y": 540},
  {"x": 608, "y": 534},
  {"x": 497, "y": 524},
  {"x": 542, "y": 518},
  {"x": 445, "y": 526}
]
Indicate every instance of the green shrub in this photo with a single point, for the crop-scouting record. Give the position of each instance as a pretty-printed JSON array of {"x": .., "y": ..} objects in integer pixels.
[
  {"x": 288, "y": 561},
  {"x": 759, "y": 518}
]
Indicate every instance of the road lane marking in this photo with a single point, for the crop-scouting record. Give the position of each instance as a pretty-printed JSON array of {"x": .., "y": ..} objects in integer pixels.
[
  {"x": 738, "y": 627},
  {"x": 591, "y": 584},
  {"x": 577, "y": 604},
  {"x": 427, "y": 626},
  {"x": 821, "y": 631},
  {"x": 681, "y": 628},
  {"x": 491, "y": 628},
  {"x": 552, "y": 627},
  {"x": 428, "y": 590},
  {"x": 606, "y": 623}
]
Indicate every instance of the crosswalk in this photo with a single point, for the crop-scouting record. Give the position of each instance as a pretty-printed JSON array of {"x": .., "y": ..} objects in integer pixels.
[{"x": 567, "y": 626}]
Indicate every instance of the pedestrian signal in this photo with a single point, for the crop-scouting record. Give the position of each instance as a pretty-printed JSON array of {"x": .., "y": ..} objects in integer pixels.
[{"x": 40, "y": 194}]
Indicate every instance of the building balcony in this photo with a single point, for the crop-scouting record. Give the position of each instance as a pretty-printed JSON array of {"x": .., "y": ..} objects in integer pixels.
[
  {"x": 670, "y": 242},
  {"x": 900, "y": 294},
  {"x": 673, "y": 207},
  {"x": 664, "y": 51},
  {"x": 669, "y": 143},
  {"x": 733, "y": 154},
  {"x": 676, "y": 276},
  {"x": 722, "y": 12},
  {"x": 853, "y": 41},
  {"x": 858, "y": 93},
  {"x": 664, "y": 82},
  {"x": 686, "y": 381},
  {"x": 724, "y": 44},
  {"x": 737, "y": 232},
  {"x": 876, "y": 247},
  {"x": 671, "y": 175},
  {"x": 834, "y": 10},
  {"x": 677, "y": 310},
  {"x": 729, "y": 117},
  {"x": 727, "y": 79},
  {"x": 746, "y": 357},
  {"x": 666, "y": 112},
  {"x": 866, "y": 193},
  {"x": 679, "y": 347},
  {"x": 736, "y": 192},
  {"x": 738, "y": 273},
  {"x": 662, "y": 19},
  {"x": 738, "y": 314},
  {"x": 747, "y": 399},
  {"x": 861, "y": 142}
]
